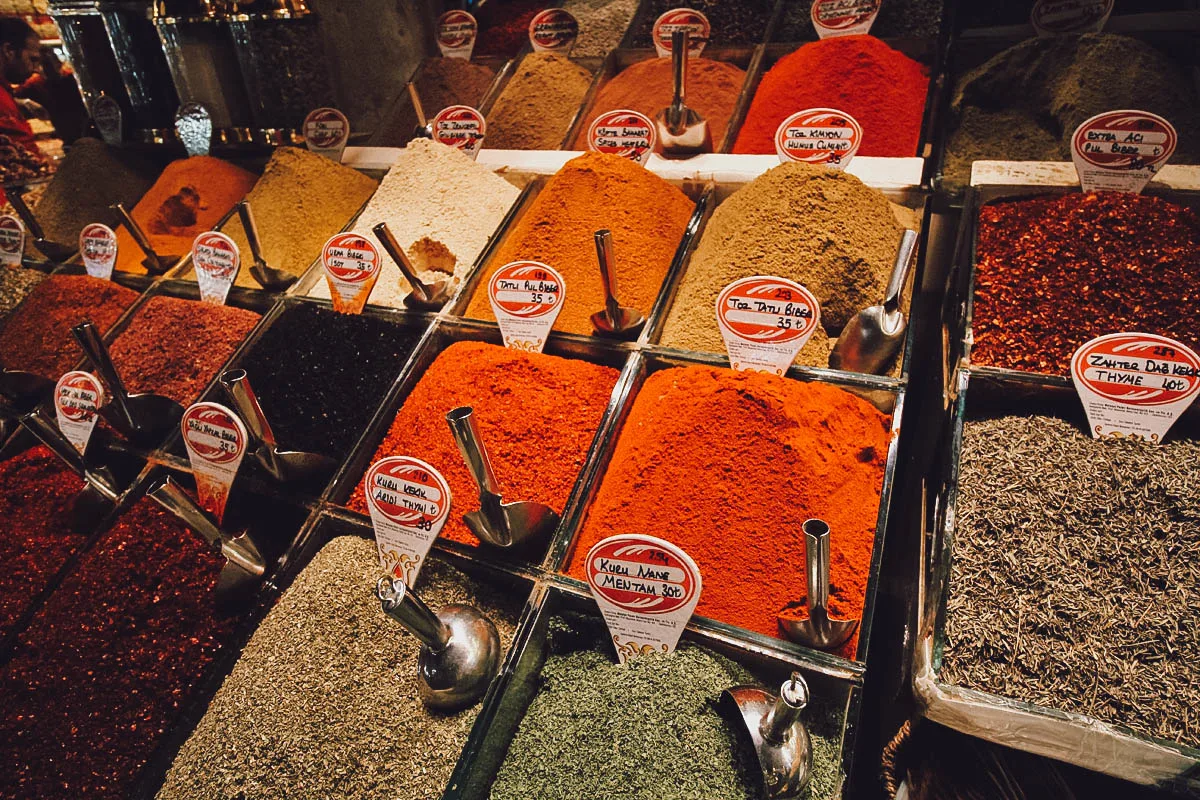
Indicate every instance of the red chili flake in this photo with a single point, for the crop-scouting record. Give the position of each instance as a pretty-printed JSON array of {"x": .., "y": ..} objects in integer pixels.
[
  {"x": 37, "y": 336},
  {"x": 108, "y": 663},
  {"x": 174, "y": 347},
  {"x": 36, "y": 491},
  {"x": 1056, "y": 271}
]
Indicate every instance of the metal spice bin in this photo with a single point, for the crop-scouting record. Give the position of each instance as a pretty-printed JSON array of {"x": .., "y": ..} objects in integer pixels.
[
  {"x": 1071, "y": 737},
  {"x": 592, "y": 65}
]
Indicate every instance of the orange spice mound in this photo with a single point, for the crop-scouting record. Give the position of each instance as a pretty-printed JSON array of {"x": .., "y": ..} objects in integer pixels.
[
  {"x": 647, "y": 217},
  {"x": 728, "y": 465}
]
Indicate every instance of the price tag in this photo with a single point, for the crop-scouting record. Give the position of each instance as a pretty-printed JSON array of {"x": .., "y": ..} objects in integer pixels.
[
  {"x": 77, "y": 397},
  {"x": 624, "y": 133},
  {"x": 98, "y": 248},
  {"x": 12, "y": 241},
  {"x": 326, "y": 131},
  {"x": 765, "y": 322},
  {"x": 553, "y": 30},
  {"x": 460, "y": 127},
  {"x": 833, "y": 18},
  {"x": 526, "y": 298},
  {"x": 681, "y": 19},
  {"x": 456, "y": 31},
  {"x": 351, "y": 265},
  {"x": 823, "y": 136},
  {"x": 1135, "y": 384},
  {"x": 1121, "y": 151},
  {"x": 216, "y": 442},
  {"x": 107, "y": 116},
  {"x": 216, "y": 259},
  {"x": 1056, "y": 17},
  {"x": 409, "y": 502},
  {"x": 646, "y": 588}
]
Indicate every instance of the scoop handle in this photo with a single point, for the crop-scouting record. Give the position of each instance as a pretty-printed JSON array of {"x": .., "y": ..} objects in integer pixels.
[
  {"x": 416, "y": 102},
  {"x": 679, "y": 59},
  {"x": 816, "y": 557},
  {"x": 608, "y": 275},
  {"x": 251, "y": 229},
  {"x": 904, "y": 259},
  {"x": 23, "y": 211},
  {"x": 384, "y": 234},
  {"x": 793, "y": 698},
  {"x": 97, "y": 352},
  {"x": 237, "y": 385},
  {"x": 49, "y": 434},
  {"x": 401, "y": 604},
  {"x": 466, "y": 436},
  {"x": 135, "y": 230},
  {"x": 168, "y": 495}
]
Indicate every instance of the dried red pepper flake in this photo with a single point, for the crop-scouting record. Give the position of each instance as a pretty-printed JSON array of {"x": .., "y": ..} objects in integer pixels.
[
  {"x": 36, "y": 538},
  {"x": 106, "y": 666},
  {"x": 1053, "y": 272}
]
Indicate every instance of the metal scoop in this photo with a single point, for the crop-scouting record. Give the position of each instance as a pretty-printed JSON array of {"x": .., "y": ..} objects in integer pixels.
[
  {"x": 424, "y": 129},
  {"x": 424, "y": 296},
  {"x": 779, "y": 736},
  {"x": 616, "y": 320},
  {"x": 153, "y": 262},
  {"x": 51, "y": 250},
  {"x": 873, "y": 336},
  {"x": 285, "y": 465},
  {"x": 271, "y": 279},
  {"x": 682, "y": 131},
  {"x": 101, "y": 489},
  {"x": 460, "y": 648},
  {"x": 818, "y": 630},
  {"x": 244, "y": 565},
  {"x": 497, "y": 523},
  {"x": 143, "y": 419},
  {"x": 24, "y": 391}
]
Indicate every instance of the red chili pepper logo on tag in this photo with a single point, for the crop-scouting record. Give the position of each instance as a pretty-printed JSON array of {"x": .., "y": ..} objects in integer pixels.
[
  {"x": 1126, "y": 139},
  {"x": 462, "y": 127},
  {"x": 639, "y": 576},
  {"x": 77, "y": 396},
  {"x": 408, "y": 491},
  {"x": 212, "y": 434},
  {"x": 326, "y": 128},
  {"x": 98, "y": 242},
  {"x": 682, "y": 19},
  {"x": 1069, "y": 16},
  {"x": 623, "y": 133},
  {"x": 10, "y": 234},
  {"x": 216, "y": 254},
  {"x": 351, "y": 257},
  {"x": 1140, "y": 369},
  {"x": 841, "y": 14},
  {"x": 456, "y": 28},
  {"x": 526, "y": 289},
  {"x": 819, "y": 136},
  {"x": 768, "y": 310},
  {"x": 553, "y": 29}
]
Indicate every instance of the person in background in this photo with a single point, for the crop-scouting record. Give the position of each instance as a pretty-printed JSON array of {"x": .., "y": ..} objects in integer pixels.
[
  {"x": 54, "y": 89},
  {"x": 19, "y": 53}
]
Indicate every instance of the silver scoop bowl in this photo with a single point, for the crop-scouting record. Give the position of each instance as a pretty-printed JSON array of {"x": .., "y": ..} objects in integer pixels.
[
  {"x": 54, "y": 251},
  {"x": 424, "y": 296},
  {"x": 424, "y": 129},
  {"x": 244, "y": 565},
  {"x": 287, "y": 466},
  {"x": 144, "y": 419},
  {"x": 681, "y": 131},
  {"x": 873, "y": 336},
  {"x": 497, "y": 523},
  {"x": 779, "y": 736},
  {"x": 269, "y": 278},
  {"x": 460, "y": 648},
  {"x": 615, "y": 321},
  {"x": 24, "y": 390},
  {"x": 819, "y": 630},
  {"x": 153, "y": 262},
  {"x": 100, "y": 492}
]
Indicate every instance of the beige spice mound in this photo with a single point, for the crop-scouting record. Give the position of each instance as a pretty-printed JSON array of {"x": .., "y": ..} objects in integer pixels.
[{"x": 538, "y": 104}]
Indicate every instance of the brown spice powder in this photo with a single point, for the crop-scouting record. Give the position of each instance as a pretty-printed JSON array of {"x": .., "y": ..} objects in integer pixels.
[{"x": 538, "y": 104}]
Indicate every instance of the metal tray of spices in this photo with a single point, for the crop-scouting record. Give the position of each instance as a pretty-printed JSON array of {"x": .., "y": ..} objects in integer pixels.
[
  {"x": 717, "y": 193},
  {"x": 831, "y": 713},
  {"x": 744, "y": 57},
  {"x": 887, "y": 397},
  {"x": 960, "y": 300},
  {"x": 441, "y": 336},
  {"x": 645, "y": 16},
  {"x": 592, "y": 64},
  {"x": 1065, "y": 736}
]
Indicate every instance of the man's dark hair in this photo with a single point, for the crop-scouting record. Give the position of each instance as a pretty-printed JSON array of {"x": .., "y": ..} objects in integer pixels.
[{"x": 16, "y": 32}]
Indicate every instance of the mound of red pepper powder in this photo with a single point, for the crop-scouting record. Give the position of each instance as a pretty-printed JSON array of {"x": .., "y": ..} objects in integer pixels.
[
  {"x": 883, "y": 89},
  {"x": 108, "y": 663},
  {"x": 728, "y": 465},
  {"x": 537, "y": 416},
  {"x": 37, "y": 336},
  {"x": 36, "y": 538},
  {"x": 504, "y": 26},
  {"x": 174, "y": 347},
  {"x": 1053, "y": 272}
]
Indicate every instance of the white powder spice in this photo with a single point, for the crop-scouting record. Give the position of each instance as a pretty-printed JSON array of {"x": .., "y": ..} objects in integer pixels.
[{"x": 442, "y": 207}]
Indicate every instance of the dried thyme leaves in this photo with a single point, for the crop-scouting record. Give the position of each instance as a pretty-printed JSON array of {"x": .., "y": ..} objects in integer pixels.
[{"x": 1076, "y": 574}]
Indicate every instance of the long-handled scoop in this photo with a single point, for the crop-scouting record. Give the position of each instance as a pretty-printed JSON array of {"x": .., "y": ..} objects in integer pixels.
[
  {"x": 244, "y": 565},
  {"x": 424, "y": 296},
  {"x": 143, "y": 419},
  {"x": 779, "y": 736},
  {"x": 873, "y": 336},
  {"x": 818, "y": 630},
  {"x": 23, "y": 391},
  {"x": 153, "y": 262},
  {"x": 423, "y": 130},
  {"x": 460, "y": 648},
  {"x": 497, "y": 523},
  {"x": 51, "y": 250},
  {"x": 270, "y": 278},
  {"x": 616, "y": 320},
  {"x": 285, "y": 465},
  {"x": 681, "y": 130},
  {"x": 101, "y": 489}
]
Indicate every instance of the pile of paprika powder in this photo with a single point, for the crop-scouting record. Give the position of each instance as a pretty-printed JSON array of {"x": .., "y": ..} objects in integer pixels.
[
  {"x": 883, "y": 89},
  {"x": 728, "y": 466}
]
